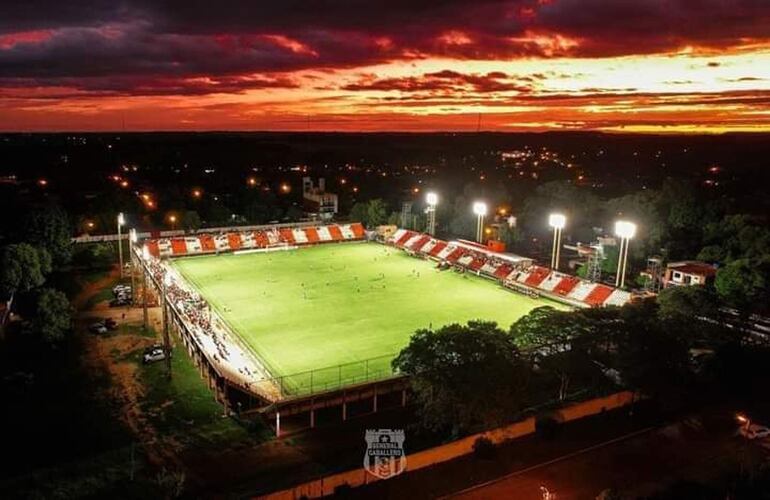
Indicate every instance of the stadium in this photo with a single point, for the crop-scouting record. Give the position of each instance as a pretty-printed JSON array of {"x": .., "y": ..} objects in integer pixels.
[{"x": 276, "y": 316}]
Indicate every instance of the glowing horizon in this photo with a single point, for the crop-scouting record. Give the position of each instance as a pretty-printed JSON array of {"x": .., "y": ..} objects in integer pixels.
[{"x": 537, "y": 69}]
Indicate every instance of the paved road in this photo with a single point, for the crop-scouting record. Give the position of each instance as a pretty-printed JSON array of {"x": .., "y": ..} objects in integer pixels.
[{"x": 636, "y": 465}]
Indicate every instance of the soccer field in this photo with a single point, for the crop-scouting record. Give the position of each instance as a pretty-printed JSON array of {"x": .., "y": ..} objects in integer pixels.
[{"x": 335, "y": 304}]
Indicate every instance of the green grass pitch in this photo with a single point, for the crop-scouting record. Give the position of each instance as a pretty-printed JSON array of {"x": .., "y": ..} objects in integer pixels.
[{"x": 336, "y": 304}]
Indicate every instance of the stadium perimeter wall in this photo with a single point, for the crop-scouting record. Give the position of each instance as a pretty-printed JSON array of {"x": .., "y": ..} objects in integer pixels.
[{"x": 326, "y": 485}]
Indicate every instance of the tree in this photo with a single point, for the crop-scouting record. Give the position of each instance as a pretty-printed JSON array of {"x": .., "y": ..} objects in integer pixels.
[
  {"x": 376, "y": 213},
  {"x": 558, "y": 342},
  {"x": 546, "y": 325},
  {"x": 687, "y": 303},
  {"x": 743, "y": 284},
  {"x": 53, "y": 316},
  {"x": 49, "y": 228},
  {"x": 464, "y": 376},
  {"x": 23, "y": 267},
  {"x": 360, "y": 212},
  {"x": 191, "y": 220}
]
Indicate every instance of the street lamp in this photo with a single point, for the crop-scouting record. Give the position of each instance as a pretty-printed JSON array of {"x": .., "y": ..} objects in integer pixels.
[
  {"x": 625, "y": 231},
  {"x": 557, "y": 222},
  {"x": 172, "y": 220},
  {"x": 432, "y": 200},
  {"x": 121, "y": 222},
  {"x": 480, "y": 209}
]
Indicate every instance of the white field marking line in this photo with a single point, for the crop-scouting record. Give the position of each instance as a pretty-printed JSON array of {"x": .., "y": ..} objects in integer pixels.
[{"x": 551, "y": 462}]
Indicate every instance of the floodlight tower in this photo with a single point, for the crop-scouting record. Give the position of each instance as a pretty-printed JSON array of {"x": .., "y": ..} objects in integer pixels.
[
  {"x": 625, "y": 231},
  {"x": 432, "y": 200},
  {"x": 121, "y": 222},
  {"x": 480, "y": 209},
  {"x": 557, "y": 222}
]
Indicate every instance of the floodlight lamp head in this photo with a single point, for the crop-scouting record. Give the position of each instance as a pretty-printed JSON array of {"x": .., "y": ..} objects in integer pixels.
[
  {"x": 145, "y": 252},
  {"x": 557, "y": 221},
  {"x": 121, "y": 219},
  {"x": 480, "y": 208},
  {"x": 625, "y": 229},
  {"x": 431, "y": 199}
]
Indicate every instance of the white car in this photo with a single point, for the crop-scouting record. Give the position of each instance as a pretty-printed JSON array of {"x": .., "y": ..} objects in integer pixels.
[
  {"x": 754, "y": 431},
  {"x": 99, "y": 328},
  {"x": 153, "y": 355}
]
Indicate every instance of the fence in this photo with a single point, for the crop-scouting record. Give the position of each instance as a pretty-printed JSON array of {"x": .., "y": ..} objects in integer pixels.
[{"x": 333, "y": 377}]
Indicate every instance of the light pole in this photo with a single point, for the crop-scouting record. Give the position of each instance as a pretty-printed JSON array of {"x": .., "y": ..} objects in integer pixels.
[
  {"x": 432, "y": 200},
  {"x": 557, "y": 222},
  {"x": 145, "y": 258},
  {"x": 625, "y": 231},
  {"x": 133, "y": 239},
  {"x": 121, "y": 221},
  {"x": 480, "y": 209}
]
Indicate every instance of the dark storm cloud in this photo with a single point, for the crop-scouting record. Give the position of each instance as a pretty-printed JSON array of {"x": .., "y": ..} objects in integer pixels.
[{"x": 129, "y": 40}]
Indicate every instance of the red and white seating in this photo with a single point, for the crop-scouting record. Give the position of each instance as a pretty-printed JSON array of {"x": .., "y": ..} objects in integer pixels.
[
  {"x": 347, "y": 232},
  {"x": 324, "y": 234},
  {"x": 299, "y": 236}
]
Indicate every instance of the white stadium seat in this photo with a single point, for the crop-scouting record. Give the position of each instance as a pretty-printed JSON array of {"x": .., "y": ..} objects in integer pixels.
[
  {"x": 299, "y": 235},
  {"x": 324, "y": 234},
  {"x": 581, "y": 291}
]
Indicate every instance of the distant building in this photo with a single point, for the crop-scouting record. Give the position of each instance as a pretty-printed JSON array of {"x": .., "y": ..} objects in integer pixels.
[
  {"x": 687, "y": 273},
  {"x": 316, "y": 201}
]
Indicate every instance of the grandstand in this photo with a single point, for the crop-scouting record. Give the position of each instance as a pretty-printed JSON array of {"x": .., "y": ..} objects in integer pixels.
[{"x": 513, "y": 271}]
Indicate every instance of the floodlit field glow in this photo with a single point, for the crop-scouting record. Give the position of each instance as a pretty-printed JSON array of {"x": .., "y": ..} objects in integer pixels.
[{"x": 328, "y": 305}]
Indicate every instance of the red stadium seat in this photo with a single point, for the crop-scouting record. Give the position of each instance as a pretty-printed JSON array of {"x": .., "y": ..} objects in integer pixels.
[
  {"x": 207, "y": 243},
  {"x": 234, "y": 239},
  {"x": 536, "y": 276},
  {"x": 336, "y": 233},
  {"x": 566, "y": 285},
  {"x": 598, "y": 295},
  {"x": 358, "y": 230},
  {"x": 438, "y": 248},
  {"x": 152, "y": 247},
  {"x": 417, "y": 245},
  {"x": 477, "y": 263},
  {"x": 455, "y": 254},
  {"x": 261, "y": 239},
  {"x": 404, "y": 238},
  {"x": 502, "y": 271},
  {"x": 178, "y": 246},
  {"x": 312, "y": 235},
  {"x": 287, "y": 235}
]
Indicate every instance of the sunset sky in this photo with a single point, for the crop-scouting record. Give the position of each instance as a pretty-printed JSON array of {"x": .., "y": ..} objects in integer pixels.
[{"x": 613, "y": 65}]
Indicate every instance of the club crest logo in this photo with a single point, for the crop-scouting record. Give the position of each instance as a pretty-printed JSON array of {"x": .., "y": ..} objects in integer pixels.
[{"x": 385, "y": 455}]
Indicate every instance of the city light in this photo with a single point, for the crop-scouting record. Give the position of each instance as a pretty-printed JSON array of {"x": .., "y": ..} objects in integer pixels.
[
  {"x": 252, "y": 181},
  {"x": 557, "y": 221},
  {"x": 42, "y": 182},
  {"x": 625, "y": 229},
  {"x": 285, "y": 187},
  {"x": 480, "y": 209},
  {"x": 197, "y": 193}
]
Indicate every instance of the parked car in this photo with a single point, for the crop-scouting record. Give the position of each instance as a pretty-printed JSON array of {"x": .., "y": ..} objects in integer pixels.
[
  {"x": 111, "y": 324},
  {"x": 157, "y": 353},
  {"x": 97, "y": 328},
  {"x": 754, "y": 431},
  {"x": 121, "y": 289}
]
